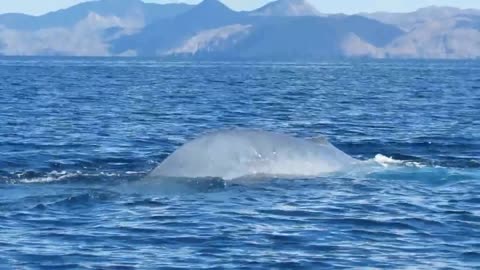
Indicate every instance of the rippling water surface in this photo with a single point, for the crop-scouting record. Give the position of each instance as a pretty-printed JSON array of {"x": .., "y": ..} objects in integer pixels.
[{"x": 78, "y": 135}]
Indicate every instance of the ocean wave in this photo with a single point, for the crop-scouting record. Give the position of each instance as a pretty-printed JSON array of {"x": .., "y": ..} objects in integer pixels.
[
  {"x": 389, "y": 161},
  {"x": 30, "y": 177},
  {"x": 53, "y": 176}
]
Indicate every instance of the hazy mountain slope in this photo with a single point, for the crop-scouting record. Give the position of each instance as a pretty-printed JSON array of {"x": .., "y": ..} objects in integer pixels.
[
  {"x": 468, "y": 21},
  {"x": 17, "y": 21},
  {"x": 287, "y": 38},
  {"x": 166, "y": 34},
  {"x": 372, "y": 31},
  {"x": 282, "y": 30},
  {"x": 144, "y": 13},
  {"x": 437, "y": 40},
  {"x": 411, "y": 20},
  {"x": 434, "y": 32},
  {"x": 312, "y": 37},
  {"x": 84, "y": 29},
  {"x": 215, "y": 41},
  {"x": 70, "y": 41},
  {"x": 287, "y": 8}
]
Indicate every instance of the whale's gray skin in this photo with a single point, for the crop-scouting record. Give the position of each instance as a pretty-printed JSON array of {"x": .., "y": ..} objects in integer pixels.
[{"x": 239, "y": 153}]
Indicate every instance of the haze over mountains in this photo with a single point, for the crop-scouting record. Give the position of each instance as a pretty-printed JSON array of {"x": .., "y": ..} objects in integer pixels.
[{"x": 281, "y": 30}]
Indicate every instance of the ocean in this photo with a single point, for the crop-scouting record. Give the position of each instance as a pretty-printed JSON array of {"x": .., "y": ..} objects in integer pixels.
[{"x": 78, "y": 135}]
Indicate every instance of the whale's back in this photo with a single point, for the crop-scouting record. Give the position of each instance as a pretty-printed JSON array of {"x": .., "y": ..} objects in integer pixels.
[{"x": 238, "y": 153}]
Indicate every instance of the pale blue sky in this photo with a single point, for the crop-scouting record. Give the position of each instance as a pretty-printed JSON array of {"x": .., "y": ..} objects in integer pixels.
[{"x": 327, "y": 6}]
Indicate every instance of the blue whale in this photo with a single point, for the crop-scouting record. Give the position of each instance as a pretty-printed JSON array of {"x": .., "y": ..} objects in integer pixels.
[{"x": 235, "y": 154}]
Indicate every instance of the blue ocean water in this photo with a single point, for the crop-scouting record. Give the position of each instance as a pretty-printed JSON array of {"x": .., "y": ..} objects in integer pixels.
[{"x": 78, "y": 135}]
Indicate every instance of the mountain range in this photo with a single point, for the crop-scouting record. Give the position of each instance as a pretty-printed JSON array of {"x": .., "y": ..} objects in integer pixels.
[{"x": 281, "y": 30}]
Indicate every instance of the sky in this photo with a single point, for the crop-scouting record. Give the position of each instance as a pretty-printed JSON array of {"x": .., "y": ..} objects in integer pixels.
[{"x": 37, "y": 7}]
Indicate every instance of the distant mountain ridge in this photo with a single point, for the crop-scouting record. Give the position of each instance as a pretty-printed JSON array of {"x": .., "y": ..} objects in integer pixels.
[
  {"x": 287, "y": 8},
  {"x": 203, "y": 26},
  {"x": 409, "y": 21},
  {"x": 164, "y": 34},
  {"x": 433, "y": 32},
  {"x": 70, "y": 16},
  {"x": 280, "y": 30}
]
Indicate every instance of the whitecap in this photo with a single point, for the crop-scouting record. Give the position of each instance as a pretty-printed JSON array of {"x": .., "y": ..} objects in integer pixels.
[
  {"x": 386, "y": 161},
  {"x": 49, "y": 177}
]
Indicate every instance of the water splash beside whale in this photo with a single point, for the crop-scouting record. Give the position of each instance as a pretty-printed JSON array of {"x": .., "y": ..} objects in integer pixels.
[{"x": 235, "y": 154}]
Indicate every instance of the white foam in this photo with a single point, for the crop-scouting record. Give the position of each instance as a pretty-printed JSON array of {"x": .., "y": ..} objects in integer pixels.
[
  {"x": 389, "y": 161},
  {"x": 50, "y": 177},
  {"x": 56, "y": 176}
]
